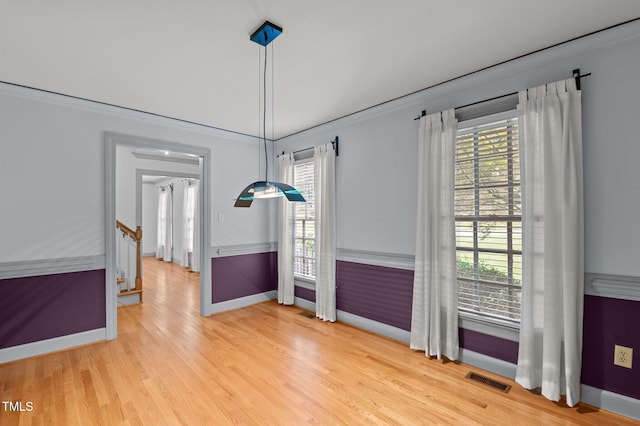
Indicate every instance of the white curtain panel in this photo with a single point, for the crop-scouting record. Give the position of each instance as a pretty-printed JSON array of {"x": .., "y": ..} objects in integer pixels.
[
  {"x": 324, "y": 158},
  {"x": 434, "y": 317},
  {"x": 168, "y": 229},
  {"x": 195, "y": 258},
  {"x": 162, "y": 208},
  {"x": 184, "y": 256},
  {"x": 285, "y": 236},
  {"x": 553, "y": 253}
]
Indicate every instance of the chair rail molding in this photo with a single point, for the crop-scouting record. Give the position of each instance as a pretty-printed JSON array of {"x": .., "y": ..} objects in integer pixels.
[
  {"x": 242, "y": 249},
  {"x": 389, "y": 260},
  {"x": 62, "y": 265},
  {"x": 613, "y": 286}
]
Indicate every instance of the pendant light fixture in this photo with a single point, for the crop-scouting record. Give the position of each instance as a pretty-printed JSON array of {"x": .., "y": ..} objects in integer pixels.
[{"x": 265, "y": 188}]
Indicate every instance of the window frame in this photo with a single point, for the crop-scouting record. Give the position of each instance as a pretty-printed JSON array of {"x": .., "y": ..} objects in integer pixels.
[
  {"x": 475, "y": 321},
  {"x": 302, "y": 280}
]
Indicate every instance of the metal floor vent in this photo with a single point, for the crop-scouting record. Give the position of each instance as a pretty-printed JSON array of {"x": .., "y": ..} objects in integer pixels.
[
  {"x": 307, "y": 314},
  {"x": 488, "y": 381}
]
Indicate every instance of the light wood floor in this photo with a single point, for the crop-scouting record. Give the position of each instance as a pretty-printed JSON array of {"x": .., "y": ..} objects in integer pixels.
[{"x": 263, "y": 364}]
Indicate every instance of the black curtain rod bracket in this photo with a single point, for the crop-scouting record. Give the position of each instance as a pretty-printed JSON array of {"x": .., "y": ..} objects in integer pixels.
[
  {"x": 578, "y": 76},
  {"x": 334, "y": 142}
]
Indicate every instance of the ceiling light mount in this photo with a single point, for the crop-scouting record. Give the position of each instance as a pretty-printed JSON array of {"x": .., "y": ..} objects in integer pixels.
[{"x": 266, "y": 33}]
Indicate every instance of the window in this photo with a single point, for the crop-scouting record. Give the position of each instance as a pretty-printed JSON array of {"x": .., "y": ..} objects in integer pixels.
[
  {"x": 304, "y": 224},
  {"x": 488, "y": 218}
]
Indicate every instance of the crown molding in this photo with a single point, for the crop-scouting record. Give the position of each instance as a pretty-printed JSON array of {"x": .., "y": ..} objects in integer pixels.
[
  {"x": 439, "y": 96},
  {"x": 59, "y": 99}
]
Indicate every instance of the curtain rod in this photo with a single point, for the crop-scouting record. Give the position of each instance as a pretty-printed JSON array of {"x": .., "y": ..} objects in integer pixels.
[
  {"x": 575, "y": 74},
  {"x": 334, "y": 142}
]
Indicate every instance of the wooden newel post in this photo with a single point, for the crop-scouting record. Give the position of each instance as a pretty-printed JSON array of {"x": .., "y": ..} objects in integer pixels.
[{"x": 138, "y": 259}]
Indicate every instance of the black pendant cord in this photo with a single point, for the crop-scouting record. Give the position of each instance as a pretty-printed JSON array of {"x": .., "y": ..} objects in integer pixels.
[{"x": 264, "y": 115}]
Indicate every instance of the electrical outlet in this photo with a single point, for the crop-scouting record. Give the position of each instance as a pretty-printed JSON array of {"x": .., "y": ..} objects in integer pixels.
[{"x": 623, "y": 356}]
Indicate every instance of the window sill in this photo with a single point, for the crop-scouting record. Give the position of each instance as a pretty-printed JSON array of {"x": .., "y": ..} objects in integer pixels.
[
  {"x": 308, "y": 283},
  {"x": 490, "y": 326}
]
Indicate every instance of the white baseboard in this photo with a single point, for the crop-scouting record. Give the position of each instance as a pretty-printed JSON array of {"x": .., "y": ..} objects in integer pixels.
[
  {"x": 304, "y": 303},
  {"x": 129, "y": 299},
  {"x": 241, "y": 302},
  {"x": 361, "y": 322},
  {"x": 494, "y": 365},
  {"x": 386, "y": 330},
  {"x": 602, "y": 399},
  {"x": 616, "y": 403},
  {"x": 28, "y": 350}
]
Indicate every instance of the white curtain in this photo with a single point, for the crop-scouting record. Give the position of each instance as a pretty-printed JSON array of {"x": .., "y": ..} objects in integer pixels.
[
  {"x": 195, "y": 257},
  {"x": 161, "y": 230},
  {"x": 553, "y": 265},
  {"x": 324, "y": 162},
  {"x": 165, "y": 224},
  {"x": 190, "y": 209},
  {"x": 285, "y": 236},
  {"x": 434, "y": 317},
  {"x": 186, "y": 237}
]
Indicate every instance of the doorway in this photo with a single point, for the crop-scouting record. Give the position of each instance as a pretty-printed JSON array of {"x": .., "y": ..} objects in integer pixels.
[
  {"x": 202, "y": 155},
  {"x": 166, "y": 207}
]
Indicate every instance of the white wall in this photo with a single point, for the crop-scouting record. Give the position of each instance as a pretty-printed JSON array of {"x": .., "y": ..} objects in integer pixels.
[
  {"x": 149, "y": 218},
  {"x": 377, "y": 166},
  {"x": 52, "y": 174}
]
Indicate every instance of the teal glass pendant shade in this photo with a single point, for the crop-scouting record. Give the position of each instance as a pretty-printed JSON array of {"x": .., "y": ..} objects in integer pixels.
[{"x": 266, "y": 189}]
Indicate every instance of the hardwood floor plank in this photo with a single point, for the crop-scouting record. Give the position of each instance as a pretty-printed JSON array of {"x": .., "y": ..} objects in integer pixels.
[{"x": 264, "y": 364}]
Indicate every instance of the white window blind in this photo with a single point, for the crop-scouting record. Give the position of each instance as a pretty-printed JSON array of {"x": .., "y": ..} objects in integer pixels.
[
  {"x": 488, "y": 219},
  {"x": 304, "y": 255}
]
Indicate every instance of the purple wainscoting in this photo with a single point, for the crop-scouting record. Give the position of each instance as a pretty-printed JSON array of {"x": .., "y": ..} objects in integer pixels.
[
  {"x": 305, "y": 293},
  {"x": 233, "y": 277},
  {"x": 376, "y": 292},
  {"x": 48, "y": 306},
  {"x": 494, "y": 347},
  {"x": 609, "y": 322},
  {"x": 385, "y": 295}
]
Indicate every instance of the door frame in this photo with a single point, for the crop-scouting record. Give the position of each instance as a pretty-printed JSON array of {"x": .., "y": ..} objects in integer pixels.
[{"x": 112, "y": 141}]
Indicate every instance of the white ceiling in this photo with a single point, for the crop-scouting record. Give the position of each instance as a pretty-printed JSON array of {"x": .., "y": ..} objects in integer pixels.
[{"x": 193, "y": 60}]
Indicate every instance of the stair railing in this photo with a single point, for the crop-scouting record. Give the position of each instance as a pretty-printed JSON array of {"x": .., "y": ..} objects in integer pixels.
[{"x": 136, "y": 236}]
